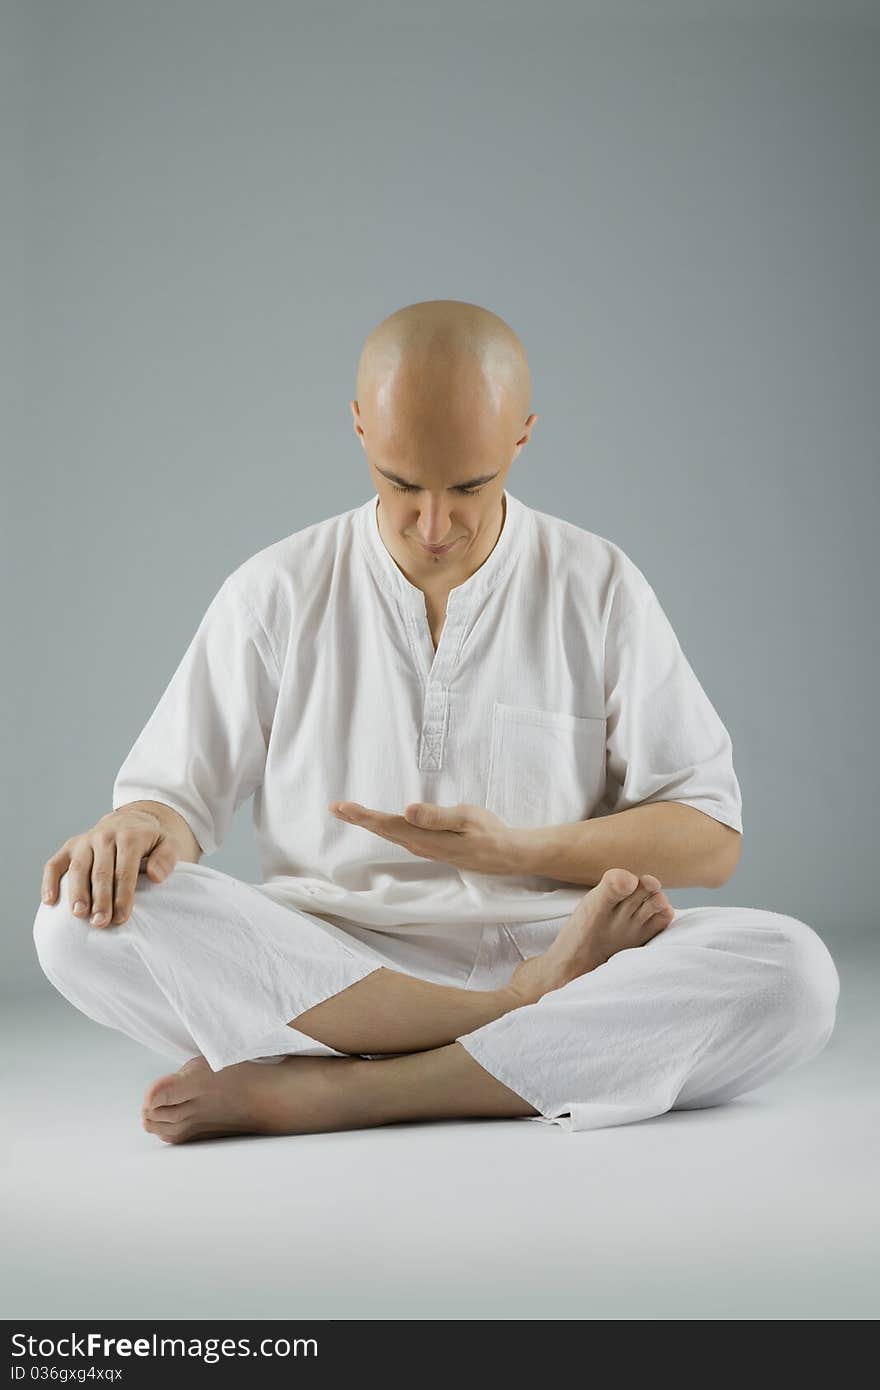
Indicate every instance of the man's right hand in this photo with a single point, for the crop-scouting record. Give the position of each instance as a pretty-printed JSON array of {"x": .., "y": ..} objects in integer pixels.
[{"x": 102, "y": 864}]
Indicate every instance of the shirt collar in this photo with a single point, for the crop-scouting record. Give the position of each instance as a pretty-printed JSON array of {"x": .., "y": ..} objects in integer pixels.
[{"x": 491, "y": 571}]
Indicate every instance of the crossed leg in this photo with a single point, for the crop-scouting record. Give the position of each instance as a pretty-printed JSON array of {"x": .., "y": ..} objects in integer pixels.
[
  {"x": 717, "y": 1001},
  {"x": 431, "y": 1076}
]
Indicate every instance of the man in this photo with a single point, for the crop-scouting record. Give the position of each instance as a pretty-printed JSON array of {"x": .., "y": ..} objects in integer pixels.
[{"x": 476, "y": 750}]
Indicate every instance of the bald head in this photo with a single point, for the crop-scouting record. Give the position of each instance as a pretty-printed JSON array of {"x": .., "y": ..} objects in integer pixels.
[
  {"x": 447, "y": 355},
  {"x": 442, "y": 410}
]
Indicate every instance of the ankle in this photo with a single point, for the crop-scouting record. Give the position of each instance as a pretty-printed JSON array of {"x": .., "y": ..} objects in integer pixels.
[{"x": 516, "y": 994}]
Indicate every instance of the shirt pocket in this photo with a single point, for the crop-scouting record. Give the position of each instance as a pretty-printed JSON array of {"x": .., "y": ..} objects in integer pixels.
[{"x": 546, "y": 767}]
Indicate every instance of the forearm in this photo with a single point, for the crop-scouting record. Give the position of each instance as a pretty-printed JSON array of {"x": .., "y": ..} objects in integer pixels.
[
  {"x": 175, "y": 827},
  {"x": 678, "y": 844}
]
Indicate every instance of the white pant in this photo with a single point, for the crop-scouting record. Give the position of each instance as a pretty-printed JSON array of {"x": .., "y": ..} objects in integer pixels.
[{"x": 721, "y": 1001}]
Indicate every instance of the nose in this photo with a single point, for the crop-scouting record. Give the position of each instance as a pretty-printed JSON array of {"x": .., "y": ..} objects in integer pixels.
[{"x": 435, "y": 521}]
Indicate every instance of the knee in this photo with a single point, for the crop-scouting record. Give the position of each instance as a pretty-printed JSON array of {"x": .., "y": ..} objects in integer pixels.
[
  {"x": 810, "y": 985},
  {"x": 59, "y": 937}
]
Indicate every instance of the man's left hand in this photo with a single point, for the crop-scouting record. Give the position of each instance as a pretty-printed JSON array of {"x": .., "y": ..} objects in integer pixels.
[{"x": 470, "y": 837}]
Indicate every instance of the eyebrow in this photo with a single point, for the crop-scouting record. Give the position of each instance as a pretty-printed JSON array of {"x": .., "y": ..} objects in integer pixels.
[{"x": 471, "y": 482}]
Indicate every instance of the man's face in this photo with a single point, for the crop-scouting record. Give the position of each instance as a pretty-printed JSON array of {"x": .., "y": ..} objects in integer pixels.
[
  {"x": 440, "y": 479},
  {"x": 440, "y": 514}
]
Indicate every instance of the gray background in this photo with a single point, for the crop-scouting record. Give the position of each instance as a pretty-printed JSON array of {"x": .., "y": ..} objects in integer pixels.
[
  {"x": 678, "y": 218},
  {"x": 209, "y": 207}
]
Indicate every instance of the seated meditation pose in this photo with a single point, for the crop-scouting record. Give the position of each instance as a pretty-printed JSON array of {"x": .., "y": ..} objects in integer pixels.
[{"x": 477, "y": 755}]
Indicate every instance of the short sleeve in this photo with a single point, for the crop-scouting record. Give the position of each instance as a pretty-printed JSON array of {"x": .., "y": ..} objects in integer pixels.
[
  {"x": 665, "y": 741},
  {"x": 203, "y": 750}
]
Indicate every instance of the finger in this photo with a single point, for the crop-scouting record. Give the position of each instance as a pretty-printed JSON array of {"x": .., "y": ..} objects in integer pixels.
[
  {"x": 381, "y": 821},
  {"x": 79, "y": 878},
  {"x": 350, "y": 810},
  {"x": 399, "y": 832},
  {"x": 162, "y": 860},
  {"x": 128, "y": 866},
  {"x": 53, "y": 871},
  {"x": 426, "y": 844},
  {"x": 103, "y": 872},
  {"x": 354, "y": 811},
  {"x": 430, "y": 817}
]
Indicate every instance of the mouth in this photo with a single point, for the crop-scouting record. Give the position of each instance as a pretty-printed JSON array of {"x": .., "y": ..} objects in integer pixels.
[{"x": 437, "y": 549}]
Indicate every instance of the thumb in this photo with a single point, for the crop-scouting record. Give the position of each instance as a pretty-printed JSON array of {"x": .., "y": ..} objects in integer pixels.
[
  {"x": 161, "y": 862},
  {"x": 434, "y": 817}
]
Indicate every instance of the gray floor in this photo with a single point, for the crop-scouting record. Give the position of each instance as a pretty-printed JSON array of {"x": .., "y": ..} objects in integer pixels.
[{"x": 762, "y": 1209}]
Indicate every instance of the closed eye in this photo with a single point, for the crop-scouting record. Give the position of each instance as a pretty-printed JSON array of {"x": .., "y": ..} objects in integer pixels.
[{"x": 465, "y": 491}]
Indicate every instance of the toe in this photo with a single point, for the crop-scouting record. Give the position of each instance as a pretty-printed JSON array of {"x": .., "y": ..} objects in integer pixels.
[
  {"x": 197, "y": 1063},
  {"x": 619, "y": 883},
  {"x": 655, "y": 911},
  {"x": 152, "y": 1127},
  {"x": 170, "y": 1114},
  {"x": 160, "y": 1091},
  {"x": 169, "y": 1133},
  {"x": 177, "y": 1086}
]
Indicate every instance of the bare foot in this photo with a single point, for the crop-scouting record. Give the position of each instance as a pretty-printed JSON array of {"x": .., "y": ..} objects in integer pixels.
[
  {"x": 622, "y": 911},
  {"x": 301, "y": 1095}
]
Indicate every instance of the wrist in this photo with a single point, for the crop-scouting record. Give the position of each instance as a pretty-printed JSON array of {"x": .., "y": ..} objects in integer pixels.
[{"x": 522, "y": 852}]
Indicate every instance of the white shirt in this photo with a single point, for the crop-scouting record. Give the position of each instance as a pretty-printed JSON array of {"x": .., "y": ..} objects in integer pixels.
[{"x": 558, "y": 692}]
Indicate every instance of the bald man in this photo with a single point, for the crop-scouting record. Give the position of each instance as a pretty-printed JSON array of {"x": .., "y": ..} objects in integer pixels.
[{"x": 478, "y": 756}]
